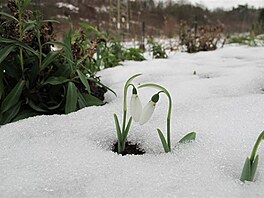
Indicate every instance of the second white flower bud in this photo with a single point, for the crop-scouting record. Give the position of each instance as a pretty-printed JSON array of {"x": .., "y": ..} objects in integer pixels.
[
  {"x": 148, "y": 109},
  {"x": 135, "y": 106}
]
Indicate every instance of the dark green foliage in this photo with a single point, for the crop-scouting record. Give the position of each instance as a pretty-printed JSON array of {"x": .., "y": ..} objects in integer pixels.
[
  {"x": 157, "y": 50},
  {"x": 112, "y": 53},
  {"x": 243, "y": 40},
  {"x": 36, "y": 80},
  {"x": 133, "y": 54}
]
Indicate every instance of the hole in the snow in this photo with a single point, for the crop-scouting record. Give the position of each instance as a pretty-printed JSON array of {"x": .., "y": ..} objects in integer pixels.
[{"x": 130, "y": 149}]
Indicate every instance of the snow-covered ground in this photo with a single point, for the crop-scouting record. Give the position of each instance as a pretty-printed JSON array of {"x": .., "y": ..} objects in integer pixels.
[{"x": 70, "y": 155}]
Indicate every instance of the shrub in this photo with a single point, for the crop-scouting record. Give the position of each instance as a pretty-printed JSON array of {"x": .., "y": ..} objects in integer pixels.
[
  {"x": 157, "y": 50},
  {"x": 204, "y": 38},
  {"x": 133, "y": 54},
  {"x": 36, "y": 80},
  {"x": 113, "y": 52},
  {"x": 243, "y": 40}
]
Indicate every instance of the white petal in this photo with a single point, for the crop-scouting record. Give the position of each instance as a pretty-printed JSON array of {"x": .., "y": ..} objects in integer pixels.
[
  {"x": 135, "y": 107},
  {"x": 147, "y": 112}
]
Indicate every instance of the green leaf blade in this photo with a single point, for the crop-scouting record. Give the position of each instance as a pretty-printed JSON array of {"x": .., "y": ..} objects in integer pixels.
[
  {"x": 71, "y": 98},
  {"x": 8, "y": 16},
  {"x": 5, "y": 52},
  {"x": 84, "y": 81},
  {"x": 188, "y": 138},
  {"x": 163, "y": 141},
  {"x": 25, "y": 5},
  {"x": 49, "y": 59},
  {"x": 54, "y": 80},
  {"x": 119, "y": 134},
  {"x": 246, "y": 172},
  {"x": 13, "y": 97},
  {"x": 127, "y": 130},
  {"x": 92, "y": 100},
  {"x": 11, "y": 113}
]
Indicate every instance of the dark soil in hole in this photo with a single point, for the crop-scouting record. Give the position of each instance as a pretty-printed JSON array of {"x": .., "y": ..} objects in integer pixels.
[{"x": 130, "y": 149}]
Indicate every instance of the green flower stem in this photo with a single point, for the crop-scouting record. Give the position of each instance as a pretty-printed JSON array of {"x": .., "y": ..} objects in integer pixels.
[
  {"x": 255, "y": 148},
  {"x": 162, "y": 89},
  {"x": 125, "y": 129}
]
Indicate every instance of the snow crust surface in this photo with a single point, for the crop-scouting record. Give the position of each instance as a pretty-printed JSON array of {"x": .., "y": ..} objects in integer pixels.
[{"x": 70, "y": 155}]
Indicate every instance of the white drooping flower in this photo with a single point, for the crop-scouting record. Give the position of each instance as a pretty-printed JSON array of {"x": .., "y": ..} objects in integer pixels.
[
  {"x": 148, "y": 109},
  {"x": 135, "y": 106}
]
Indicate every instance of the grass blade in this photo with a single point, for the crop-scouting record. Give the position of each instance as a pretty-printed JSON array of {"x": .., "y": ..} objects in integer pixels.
[
  {"x": 92, "y": 100},
  {"x": 188, "y": 138},
  {"x": 96, "y": 81},
  {"x": 164, "y": 143},
  {"x": 9, "y": 16},
  {"x": 5, "y": 52},
  {"x": 49, "y": 59},
  {"x": 81, "y": 100},
  {"x": 53, "y": 80},
  {"x": 13, "y": 97},
  {"x": 127, "y": 130},
  {"x": 84, "y": 81},
  {"x": 118, "y": 130},
  {"x": 25, "y": 5},
  {"x": 11, "y": 113},
  {"x": 20, "y": 44},
  {"x": 71, "y": 98}
]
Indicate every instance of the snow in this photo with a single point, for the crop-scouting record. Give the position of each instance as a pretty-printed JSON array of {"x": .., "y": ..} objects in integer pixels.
[
  {"x": 70, "y": 156},
  {"x": 67, "y": 5}
]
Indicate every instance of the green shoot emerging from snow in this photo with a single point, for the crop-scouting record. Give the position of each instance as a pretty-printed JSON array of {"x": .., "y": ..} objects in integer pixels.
[
  {"x": 123, "y": 132},
  {"x": 251, "y": 164}
]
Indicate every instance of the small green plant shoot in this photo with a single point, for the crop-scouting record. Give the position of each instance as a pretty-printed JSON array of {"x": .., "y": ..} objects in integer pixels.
[{"x": 251, "y": 164}]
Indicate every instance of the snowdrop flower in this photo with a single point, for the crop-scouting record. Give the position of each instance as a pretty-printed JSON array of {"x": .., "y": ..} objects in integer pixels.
[
  {"x": 135, "y": 105},
  {"x": 148, "y": 109}
]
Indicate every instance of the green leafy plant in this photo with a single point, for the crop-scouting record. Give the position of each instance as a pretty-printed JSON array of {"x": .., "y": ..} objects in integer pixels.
[
  {"x": 142, "y": 115},
  {"x": 37, "y": 80},
  {"x": 157, "y": 50},
  {"x": 133, "y": 54},
  {"x": 243, "y": 40},
  {"x": 251, "y": 163},
  {"x": 112, "y": 53}
]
